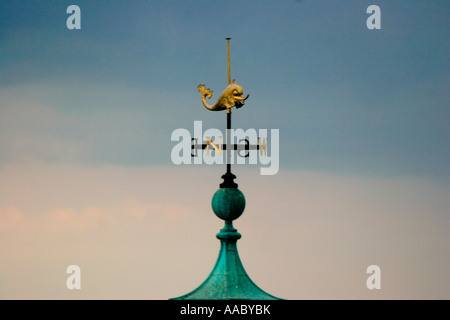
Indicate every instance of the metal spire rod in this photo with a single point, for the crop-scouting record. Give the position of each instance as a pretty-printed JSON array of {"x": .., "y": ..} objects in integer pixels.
[
  {"x": 228, "y": 112},
  {"x": 228, "y": 142},
  {"x": 228, "y": 49},
  {"x": 228, "y": 176}
]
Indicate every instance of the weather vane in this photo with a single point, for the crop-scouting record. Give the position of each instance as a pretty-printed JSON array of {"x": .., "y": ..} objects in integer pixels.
[
  {"x": 228, "y": 279},
  {"x": 232, "y": 96}
]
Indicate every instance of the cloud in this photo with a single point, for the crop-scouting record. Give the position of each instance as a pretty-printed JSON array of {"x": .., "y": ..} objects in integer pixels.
[
  {"x": 92, "y": 124},
  {"x": 305, "y": 234},
  {"x": 160, "y": 211},
  {"x": 54, "y": 221},
  {"x": 58, "y": 221},
  {"x": 32, "y": 130}
]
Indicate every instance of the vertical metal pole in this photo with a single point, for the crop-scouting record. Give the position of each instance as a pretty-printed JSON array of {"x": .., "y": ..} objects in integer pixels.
[
  {"x": 228, "y": 113},
  {"x": 228, "y": 48},
  {"x": 228, "y": 142},
  {"x": 228, "y": 177}
]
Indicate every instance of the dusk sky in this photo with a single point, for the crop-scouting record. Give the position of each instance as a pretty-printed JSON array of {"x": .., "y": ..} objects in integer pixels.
[{"x": 86, "y": 176}]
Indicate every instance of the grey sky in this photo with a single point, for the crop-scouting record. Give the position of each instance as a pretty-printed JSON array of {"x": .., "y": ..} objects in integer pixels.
[{"x": 345, "y": 98}]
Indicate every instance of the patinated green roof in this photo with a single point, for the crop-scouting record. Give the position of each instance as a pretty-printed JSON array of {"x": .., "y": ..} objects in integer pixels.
[{"x": 228, "y": 279}]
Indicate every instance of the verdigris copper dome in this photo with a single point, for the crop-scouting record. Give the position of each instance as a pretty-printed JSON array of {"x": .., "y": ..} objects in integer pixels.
[{"x": 228, "y": 203}]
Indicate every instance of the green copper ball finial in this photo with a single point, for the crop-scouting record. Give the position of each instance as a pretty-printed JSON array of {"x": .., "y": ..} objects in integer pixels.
[{"x": 228, "y": 203}]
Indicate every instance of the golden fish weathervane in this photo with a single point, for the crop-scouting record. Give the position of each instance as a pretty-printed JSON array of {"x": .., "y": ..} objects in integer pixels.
[{"x": 232, "y": 96}]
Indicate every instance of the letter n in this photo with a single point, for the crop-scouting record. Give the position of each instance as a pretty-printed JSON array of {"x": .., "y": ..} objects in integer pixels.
[
  {"x": 74, "y": 280},
  {"x": 74, "y": 21},
  {"x": 374, "y": 21},
  {"x": 374, "y": 281},
  {"x": 209, "y": 142}
]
